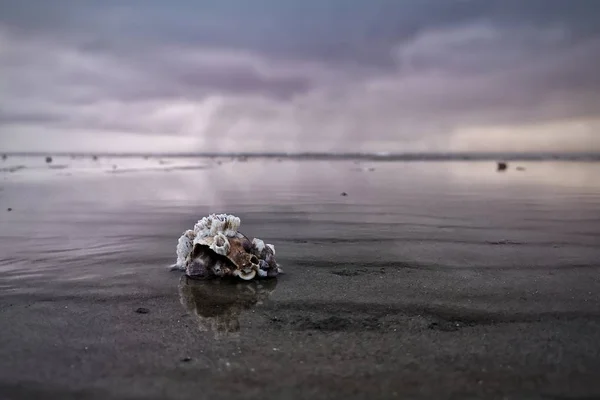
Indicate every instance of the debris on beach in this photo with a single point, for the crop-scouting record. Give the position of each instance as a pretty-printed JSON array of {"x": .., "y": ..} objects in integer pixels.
[
  {"x": 362, "y": 168},
  {"x": 519, "y": 168},
  {"x": 502, "y": 166},
  {"x": 215, "y": 248},
  {"x": 48, "y": 159},
  {"x": 9, "y": 209},
  {"x": 95, "y": 157},
  {"x": 343, "y": 194},
  {"x": 4, "y": 157},
  {"x": 142, "y": 310},
  {"x": 12, "y": 169}
]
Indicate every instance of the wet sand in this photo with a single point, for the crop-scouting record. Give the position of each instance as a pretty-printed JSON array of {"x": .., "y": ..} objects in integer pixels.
[{"x": 428, "y": 280}]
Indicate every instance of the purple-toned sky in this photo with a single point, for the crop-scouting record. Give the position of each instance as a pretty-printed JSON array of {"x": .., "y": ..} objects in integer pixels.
[{"x": 289, "y": 75}]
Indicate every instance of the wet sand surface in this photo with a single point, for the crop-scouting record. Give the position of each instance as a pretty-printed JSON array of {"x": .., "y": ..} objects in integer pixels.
[{"x": 428, "y": 280}]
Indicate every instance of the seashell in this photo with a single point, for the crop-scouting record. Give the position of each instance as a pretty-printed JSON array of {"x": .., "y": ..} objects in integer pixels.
[{"x": 215, "y": 248}]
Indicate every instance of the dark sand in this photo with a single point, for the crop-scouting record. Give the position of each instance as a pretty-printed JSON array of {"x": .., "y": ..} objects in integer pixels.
[{"x": 428, "y": 280}]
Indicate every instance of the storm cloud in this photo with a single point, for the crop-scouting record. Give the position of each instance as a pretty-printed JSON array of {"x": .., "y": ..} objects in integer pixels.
[{"x": 341, "y": 75}]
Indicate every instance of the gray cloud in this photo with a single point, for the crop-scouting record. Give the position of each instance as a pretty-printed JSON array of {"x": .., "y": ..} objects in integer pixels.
[
  {"x": 345, "y": 30},
  {"x": 338, "y": 74}
]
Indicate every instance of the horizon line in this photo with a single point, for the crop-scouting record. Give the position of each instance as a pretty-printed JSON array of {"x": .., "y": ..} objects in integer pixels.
[{"x": 468, "y": 155}]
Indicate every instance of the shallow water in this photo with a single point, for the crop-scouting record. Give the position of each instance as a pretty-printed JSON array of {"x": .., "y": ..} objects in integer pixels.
[
  {"x": 430, "y": 214},
  {"x": 414, "y": 245}
]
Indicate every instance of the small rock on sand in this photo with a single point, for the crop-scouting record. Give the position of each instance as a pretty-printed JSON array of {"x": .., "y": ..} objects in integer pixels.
[
  {"x": 343, "y": 194},
  {"x": 142, "y": 310},
  {"x": 48, "y": 159},
  {"x": 9, "y": 209},
  {"x": 502, "y": 166}
]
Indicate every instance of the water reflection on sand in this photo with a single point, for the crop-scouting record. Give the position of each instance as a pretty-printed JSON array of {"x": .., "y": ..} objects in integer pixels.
[{"x": 218, "y": 304}]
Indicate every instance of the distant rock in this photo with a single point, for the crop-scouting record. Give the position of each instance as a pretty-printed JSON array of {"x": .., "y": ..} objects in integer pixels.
[
  {"x": 9, "y": 209},
  {"x": 142, "y": 310},
  {"x": 48, "y": 159},
  {"x": 520, "y": 168},
  {"x": 502, "y": 166},
  {"x": 12, "y": 169},
  {"x": 343, "y": 194},
  {"x": 4, "y": 157}
]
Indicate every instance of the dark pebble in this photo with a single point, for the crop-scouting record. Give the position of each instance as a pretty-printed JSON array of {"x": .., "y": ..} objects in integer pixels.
[
  {"x": 343, "y": 194},
  {"x": 9, "y": 209},
  {"x": 186, "y": 359},
  {"x": 142, "y": 310}
]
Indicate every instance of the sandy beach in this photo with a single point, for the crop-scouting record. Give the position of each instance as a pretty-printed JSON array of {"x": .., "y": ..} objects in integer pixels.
[{"x": 427, "y": 280}]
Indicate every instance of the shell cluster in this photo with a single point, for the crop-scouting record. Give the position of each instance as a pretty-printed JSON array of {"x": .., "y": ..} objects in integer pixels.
[{"x": 215, "y": 248}]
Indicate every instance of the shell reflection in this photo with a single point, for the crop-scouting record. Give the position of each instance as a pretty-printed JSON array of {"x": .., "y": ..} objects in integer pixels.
[{"x": 217, "y": 304}]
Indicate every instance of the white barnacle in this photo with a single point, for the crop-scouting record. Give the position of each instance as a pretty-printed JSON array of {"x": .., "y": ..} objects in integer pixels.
[
  {"x": 184, "y": 248},
  {"x": 220, "y": 244},
  {"x": 232, "y": 224},
  {"x": 246, "y": 275},
  {"x": 216, "y": 226},
  {"x": 258, "y": 244},
  {"x": 270, "y": 246},
  {"x": 202, "y": 227}
]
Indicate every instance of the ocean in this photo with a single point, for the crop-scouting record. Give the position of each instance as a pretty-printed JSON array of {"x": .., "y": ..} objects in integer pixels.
[{"x": 422, "y": 277}]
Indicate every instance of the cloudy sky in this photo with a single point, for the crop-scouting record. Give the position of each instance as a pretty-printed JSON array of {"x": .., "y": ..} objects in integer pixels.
[{"x": 290, "y": 75}]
